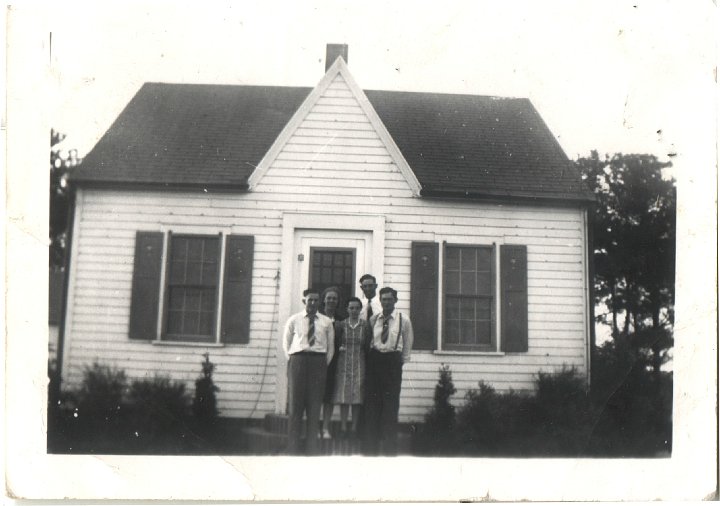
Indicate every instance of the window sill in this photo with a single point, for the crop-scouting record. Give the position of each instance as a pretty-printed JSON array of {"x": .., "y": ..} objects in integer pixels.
[
  {"x": 480, "y": 353},
  {"x": 190, "y": 344}
]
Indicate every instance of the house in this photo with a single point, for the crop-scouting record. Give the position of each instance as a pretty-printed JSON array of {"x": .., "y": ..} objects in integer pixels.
[{"x": 204, "y": 211}]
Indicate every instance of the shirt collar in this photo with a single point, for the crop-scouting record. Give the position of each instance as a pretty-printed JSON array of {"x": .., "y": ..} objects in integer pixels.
[
  {"x": 388, "y": 317},
  {"x": 308, "y": 315}
]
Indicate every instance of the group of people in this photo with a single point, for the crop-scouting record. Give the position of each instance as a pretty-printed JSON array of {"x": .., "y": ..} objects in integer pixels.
[{"x": 347, "y": 353}]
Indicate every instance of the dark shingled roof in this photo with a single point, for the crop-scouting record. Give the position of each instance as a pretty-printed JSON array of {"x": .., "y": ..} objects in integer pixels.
[{"x": 214, "y": 135}]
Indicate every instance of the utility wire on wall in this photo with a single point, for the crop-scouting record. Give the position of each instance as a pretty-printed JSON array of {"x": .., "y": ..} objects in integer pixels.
[{"x": 271, "y": 342}]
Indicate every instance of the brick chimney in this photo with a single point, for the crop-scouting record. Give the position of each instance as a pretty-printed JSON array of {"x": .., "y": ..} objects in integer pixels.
[{"x": 333, "y": 51}]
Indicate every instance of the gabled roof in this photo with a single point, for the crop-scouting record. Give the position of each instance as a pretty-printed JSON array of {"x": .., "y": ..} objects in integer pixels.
[
  {"x": 191, "y": 135},
  {"x": 213, "y": 136},
  {"x": 477, "y": 145}
]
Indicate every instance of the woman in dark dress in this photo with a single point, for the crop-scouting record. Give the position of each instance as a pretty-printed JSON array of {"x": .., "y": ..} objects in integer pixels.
[{"x": 330, "y": 307}]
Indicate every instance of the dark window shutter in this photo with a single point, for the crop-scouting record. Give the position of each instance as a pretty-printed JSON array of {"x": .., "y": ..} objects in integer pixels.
[
  {"x": 424, "y": 294},
  {"x": 237, "y": 289},
  {"x": 145, "y": 302},
  {"x": 513, "y": 298}
]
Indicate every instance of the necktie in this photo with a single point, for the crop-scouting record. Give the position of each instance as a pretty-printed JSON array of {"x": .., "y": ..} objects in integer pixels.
[
  {"x": 385, "y": 330},
  {"x": 369, "y": 309},
  {"x": 311, "y": 330}
]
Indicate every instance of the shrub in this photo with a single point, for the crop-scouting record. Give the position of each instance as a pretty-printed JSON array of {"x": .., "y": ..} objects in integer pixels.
[
  {"x": 436, "y": 435},
  {"x": 159, "y": 402},
  {"x": 561, "y": 412},
  {"x": 101, "y": 393},
  {"x": 205, "y": 401},
  {"x": 489, "y": 423}
]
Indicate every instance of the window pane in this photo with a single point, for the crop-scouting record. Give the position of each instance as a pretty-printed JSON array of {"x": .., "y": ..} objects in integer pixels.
[
  {"x": 208, "y": 301},
  {"x": 468, "y": 283},
  {"x": 209, "y": 273},
  {"x": 193, "y": 273},
  {"x": 452, "y": 282},
  {"x": 191, "y": 323},
  {"x": 207, "y": 321},
  {"x": 452, "y": 259},
  {"x": 467, "y": 331},
  {"x": 179, "y": 249},
  {"x": 483, "y": 309},
  {"x": 174, "y": 322},
  {"x": 467, "y": 308},
  {"x": 175, "y": 299},
  {"x": 452, "y": 308},
  {"x": 484, "y": 283},
  {"x": 452, "y": 332},
  {"x": 483, "y": 332},
  {"x": 484, "y": 258},
  {"x": 326, "y": 277},
  {"x": 177, "y": 271}
]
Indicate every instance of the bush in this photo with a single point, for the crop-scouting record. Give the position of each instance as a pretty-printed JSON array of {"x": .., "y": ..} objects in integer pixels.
[
  {"x": 158, "y": 403},
  {"x": 205, "y": 401},
  {"x": 634, "y": 405},
  {"x": 562, "y": 413},
  {"x": 489, "y": 423},
  {"x": 437, "y": 434},
  {"x": 555, "y": 420},
  {"x": 101, "y": 393}
]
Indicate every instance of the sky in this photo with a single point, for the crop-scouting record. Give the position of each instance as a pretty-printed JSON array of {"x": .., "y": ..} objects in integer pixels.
[
  {"x": 610, "y": 76},
  {"x": 614, "y": 76}
]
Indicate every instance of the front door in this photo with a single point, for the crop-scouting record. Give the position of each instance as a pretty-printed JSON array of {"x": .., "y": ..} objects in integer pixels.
[
  {"x": 322, "y": 258},
  {"x": 325, "y": 258}
]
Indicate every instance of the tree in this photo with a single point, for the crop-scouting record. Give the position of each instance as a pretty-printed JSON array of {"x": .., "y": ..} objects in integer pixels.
[
  {"x": 61, "y": 162},
  {"x": 633, "y": 226}
]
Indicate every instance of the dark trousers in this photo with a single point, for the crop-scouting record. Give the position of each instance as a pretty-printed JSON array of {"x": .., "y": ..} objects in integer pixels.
[
  {"x": 306, "y": 386},
  {"x": 382, "y": 401}
]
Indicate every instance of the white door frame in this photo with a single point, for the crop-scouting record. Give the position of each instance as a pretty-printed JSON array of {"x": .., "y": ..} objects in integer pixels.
[{"x": 346, "y": 228}]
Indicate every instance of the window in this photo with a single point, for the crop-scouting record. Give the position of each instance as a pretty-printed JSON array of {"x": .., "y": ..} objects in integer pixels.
[
  {"x": 201, "y": 302},
  {"x": 469, "y": 289},
  {"x": 332, "y": 267},
  {"x": 484, "y": 305},
  {"x": 192, "y": 288}
]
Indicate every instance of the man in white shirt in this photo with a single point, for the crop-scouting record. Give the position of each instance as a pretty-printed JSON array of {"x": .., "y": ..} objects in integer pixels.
[
  {"x": 391, "y": 340},
  {"x": 308, "y": 343},
  {"x": 371, "y": 305}
]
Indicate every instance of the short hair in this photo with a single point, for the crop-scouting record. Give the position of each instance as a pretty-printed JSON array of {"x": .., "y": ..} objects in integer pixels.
[
  {"x": 387, "y": 289},
  {"x": 367, "y": 276},
  {"x": 309, "y": 291},
  {"x": 353, "y": 299},
  {"x": 328, "y": 290}
]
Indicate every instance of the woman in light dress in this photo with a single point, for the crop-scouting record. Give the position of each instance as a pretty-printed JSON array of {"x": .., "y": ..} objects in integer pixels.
[{"x": 351, "y": 336}]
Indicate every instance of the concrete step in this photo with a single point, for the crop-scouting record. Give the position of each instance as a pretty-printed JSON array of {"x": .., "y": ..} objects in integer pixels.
[{"x": 258, "y": 441}]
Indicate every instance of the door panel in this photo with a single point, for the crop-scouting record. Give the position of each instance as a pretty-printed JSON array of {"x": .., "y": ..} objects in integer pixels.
[{"x": 333, "y": 267}]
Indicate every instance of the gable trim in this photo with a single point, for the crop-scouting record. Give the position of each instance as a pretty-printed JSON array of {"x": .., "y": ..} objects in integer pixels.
[
  {"x": 338, "y": 67},
  {"x": 383, "y": 132}
]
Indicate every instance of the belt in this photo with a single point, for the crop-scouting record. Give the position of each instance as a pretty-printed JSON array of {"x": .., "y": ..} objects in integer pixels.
[{"x": 308, "y": 353}]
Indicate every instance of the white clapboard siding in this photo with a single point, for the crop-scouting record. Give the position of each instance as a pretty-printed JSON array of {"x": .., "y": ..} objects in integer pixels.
[{"x": 334, "y": 162}]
